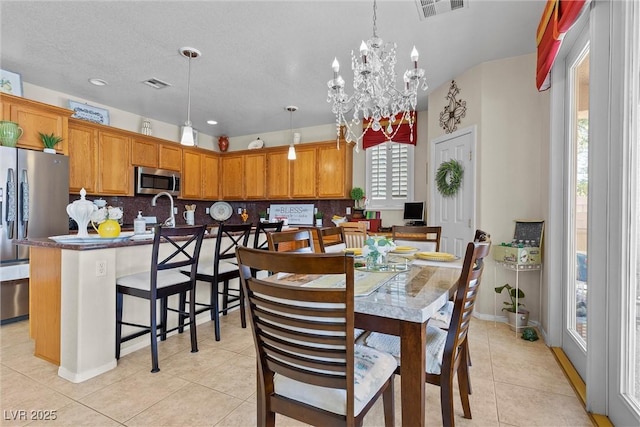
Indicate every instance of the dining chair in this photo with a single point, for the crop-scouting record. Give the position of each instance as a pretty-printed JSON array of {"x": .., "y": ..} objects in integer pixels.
[
  {"x": 425, "y": 238},
  {"x": 223, "y": 270},
  {"x": 308, "y": 366},
  {"x": 300, "y": 241},
  {"x": 262, "y": 230},
  {"x": 331, "y": 239},
  {"x": 165, "y": 278},
  {"x": 355, "y": 233},
  {"x": 448, "y": 351}
]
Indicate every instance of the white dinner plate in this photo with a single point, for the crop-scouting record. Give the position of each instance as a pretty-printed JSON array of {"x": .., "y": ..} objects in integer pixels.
[{"x": 221, "y": 211}]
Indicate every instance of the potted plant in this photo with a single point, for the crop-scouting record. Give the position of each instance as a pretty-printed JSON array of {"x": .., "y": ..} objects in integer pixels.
[
  {"x": 518, "y": 317},
  {"x": 318, "y": 216},
  {"x": 49, "y": 142},
  {"x": 357, "y": 194},
  {"x": 263, "y": 216}
]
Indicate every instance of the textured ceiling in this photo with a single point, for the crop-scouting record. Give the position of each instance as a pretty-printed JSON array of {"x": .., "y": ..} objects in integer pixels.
[{"x": 257, "y": 57}]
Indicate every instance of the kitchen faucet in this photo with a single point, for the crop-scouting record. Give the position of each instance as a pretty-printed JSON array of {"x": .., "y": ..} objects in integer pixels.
[{"x": 171, "y": 221}]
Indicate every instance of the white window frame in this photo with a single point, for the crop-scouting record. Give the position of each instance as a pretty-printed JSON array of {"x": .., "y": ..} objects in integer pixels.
[{"x": 389, "y": 203}]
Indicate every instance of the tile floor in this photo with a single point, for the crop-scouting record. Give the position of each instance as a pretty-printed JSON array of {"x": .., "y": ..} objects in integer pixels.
[{"x": 515, "y": 383}]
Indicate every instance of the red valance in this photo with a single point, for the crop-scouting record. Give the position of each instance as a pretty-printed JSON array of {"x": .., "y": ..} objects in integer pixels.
[
  {"x": 403, "y": 134},
  {"x": 558, "y": 16}
]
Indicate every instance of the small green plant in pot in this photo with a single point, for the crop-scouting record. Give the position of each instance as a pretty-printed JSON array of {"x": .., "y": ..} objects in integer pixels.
[
  {"x": 49, "y": 141},
  {"x": 518, "y": 317},
  {"x": 357, "y": 194},
  {"x": 262, "y": 215},
  {"x": 318, "y": 216}
]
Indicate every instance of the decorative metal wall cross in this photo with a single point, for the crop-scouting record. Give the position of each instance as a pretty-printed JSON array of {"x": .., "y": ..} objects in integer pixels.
[{"x": 452, "y": 113}]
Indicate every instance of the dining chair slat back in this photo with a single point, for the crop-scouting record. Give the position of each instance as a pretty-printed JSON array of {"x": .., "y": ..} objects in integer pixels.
[
  {"x": 299, "y": 241},
  {"x": 331, "y": 239},
  {"x": 307, "y": 359},
  {"x": 355, "y": 233}
]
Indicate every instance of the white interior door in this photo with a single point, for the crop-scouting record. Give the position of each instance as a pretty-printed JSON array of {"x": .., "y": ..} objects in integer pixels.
[{"x": 455, "y": 214}]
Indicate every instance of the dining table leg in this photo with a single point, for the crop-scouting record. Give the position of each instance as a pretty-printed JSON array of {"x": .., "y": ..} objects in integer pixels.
[{"x": 413, "y": 338}]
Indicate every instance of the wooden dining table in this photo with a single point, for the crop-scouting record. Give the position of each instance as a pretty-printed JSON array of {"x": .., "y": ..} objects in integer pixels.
[{"x": 401, "y": 303}]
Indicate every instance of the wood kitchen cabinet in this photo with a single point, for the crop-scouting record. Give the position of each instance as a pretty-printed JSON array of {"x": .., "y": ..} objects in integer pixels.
[
  {"x": 255, "y": 168},
  {"x": 210, "y": 176},
  {"x": 34, "y": 117},
  {"x": 99, "y": 160},
  {"x": 191, "y": 172},
  {"x": 232, "y": 176},
  {"x": 148, "y": 152},
  {"x": 278, "y": 175},
  {"x": 83, "y": 157},
  {"x": 334, "y": 170},
  {"x": 114, "y": 164},
  {"x": 303, "y": 173}
]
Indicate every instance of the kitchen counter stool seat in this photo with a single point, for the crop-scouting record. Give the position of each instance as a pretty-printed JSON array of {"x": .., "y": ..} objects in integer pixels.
[{"x": 165, "y": 278}]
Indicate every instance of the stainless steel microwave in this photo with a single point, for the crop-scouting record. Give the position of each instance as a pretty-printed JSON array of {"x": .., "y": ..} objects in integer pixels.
[{"x": 154, "y": 181}]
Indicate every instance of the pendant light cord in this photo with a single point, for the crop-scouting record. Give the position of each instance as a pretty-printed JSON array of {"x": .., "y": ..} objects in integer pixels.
[{"x": 189, "y": 92}]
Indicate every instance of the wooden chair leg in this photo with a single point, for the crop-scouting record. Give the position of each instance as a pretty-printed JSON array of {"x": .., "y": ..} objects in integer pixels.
[
  {"x": 225, "y": 298},
  {"x": 467, "y": 363},
  {"x": 388, "y": 404},
  {"x": 192, "y": 324},
  {"x": 154, "y": 335},
  {"x": 119, "y": 298},
  {"x": 243, "y": 315},
  {"x": 464, "y": 386},
  {"x": 164, "y": 308},
  {"x": 182, "y": 310},
  {"x": 446, "y": 402}
]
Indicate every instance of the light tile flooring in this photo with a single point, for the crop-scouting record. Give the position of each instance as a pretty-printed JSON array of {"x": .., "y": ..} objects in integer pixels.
[{"x": 515, "y": 383}]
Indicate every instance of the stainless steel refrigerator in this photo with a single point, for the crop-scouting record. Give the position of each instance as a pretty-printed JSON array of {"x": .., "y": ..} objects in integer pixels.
[{"x": 34, "y": 193}]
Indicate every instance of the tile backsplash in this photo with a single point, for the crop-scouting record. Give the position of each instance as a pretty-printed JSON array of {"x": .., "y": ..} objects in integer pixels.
[{"x": 131, "y": 205}]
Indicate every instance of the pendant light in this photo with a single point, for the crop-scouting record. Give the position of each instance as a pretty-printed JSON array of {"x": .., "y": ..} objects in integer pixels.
[
  {"x": 187, "y": 129},
  {"x": 292, "y": 150}
]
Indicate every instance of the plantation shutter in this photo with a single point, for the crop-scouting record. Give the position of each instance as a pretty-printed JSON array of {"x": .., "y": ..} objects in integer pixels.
[{"x": 389, "y": 172}]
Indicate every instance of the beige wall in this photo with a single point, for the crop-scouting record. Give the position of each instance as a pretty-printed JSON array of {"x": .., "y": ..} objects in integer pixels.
[{"x": 512, "y": 120}]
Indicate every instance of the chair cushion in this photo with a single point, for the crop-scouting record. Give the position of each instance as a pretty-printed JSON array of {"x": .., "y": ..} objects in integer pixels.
[
  {"x": 372, "y": 369},
  {"x": 143, "y": 280},
  {"x": 442, "y": 318},
  {"x": 436, "y": 339},
  {"x": 206, "y": 268}
]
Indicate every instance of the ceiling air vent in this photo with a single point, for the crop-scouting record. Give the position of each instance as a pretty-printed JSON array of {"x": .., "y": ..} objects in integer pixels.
[
  {"x": 429, "y": 8},
  {"x": 156, "y": 83}
]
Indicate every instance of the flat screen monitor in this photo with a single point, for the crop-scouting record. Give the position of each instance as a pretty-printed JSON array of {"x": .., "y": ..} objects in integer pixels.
[{"x": 414, "y": 211}]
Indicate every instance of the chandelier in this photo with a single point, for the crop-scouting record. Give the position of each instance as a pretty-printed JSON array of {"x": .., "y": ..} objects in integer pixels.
[{"x": 375, "y": 96}]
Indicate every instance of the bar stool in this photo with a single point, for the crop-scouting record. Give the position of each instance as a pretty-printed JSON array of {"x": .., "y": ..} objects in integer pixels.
[{"x": 167, "y": 277}]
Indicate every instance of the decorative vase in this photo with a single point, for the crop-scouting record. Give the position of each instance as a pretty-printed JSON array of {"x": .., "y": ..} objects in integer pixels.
[
  {"x": 223, "y": 143},
  {"x": 358, "y": 213},
  {"x": 519, "y": 320},
  {"x": 10, "y": 132},
  {"x": 376, "y": 261},
  {"x": 80, "y": 211},
  {"x": 108, "y": 229},
  {"x": 318, "y": 222},
  {"x": 49, "y": 150}
]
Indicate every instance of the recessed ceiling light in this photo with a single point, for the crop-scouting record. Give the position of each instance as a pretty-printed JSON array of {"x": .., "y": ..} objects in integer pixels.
[
  {"x": 98, "y": 82},
  {"x": 212, "y": 122}
]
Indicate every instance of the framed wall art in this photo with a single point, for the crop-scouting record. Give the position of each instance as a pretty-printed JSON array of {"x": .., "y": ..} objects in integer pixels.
[
  {"x": 10, "y": 82},
  {"x": 89, "y": 113}
]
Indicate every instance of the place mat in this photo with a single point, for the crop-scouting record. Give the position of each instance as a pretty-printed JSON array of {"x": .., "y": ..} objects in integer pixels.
[
  {"x": 404, "y": 250},
  {"x": 365, "y": 282},
  {"x": 436, "y": 256},
  {"x": 355, "y": 251}
]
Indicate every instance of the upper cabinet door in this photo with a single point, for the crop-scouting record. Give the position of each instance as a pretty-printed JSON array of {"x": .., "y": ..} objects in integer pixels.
[
  {"x": 170, "y": 157},
  {"x": 210, "y": 182},
  {"x": 83, "y": 158},
  {"x": 114, "y": 164},
  {"x": 303, "y": 173},
  {"x": 255, "y": 168},
  {"x": 191, "y": 175},
  {"x": 334, "y": 171},
  {"x": 278, "y": 175},
  {"x": 232, "y": 176},
  {"x": 144, "y": 152}
]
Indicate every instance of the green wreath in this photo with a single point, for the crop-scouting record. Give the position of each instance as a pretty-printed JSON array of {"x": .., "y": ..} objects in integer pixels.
[{"x": 449, "y": 178}]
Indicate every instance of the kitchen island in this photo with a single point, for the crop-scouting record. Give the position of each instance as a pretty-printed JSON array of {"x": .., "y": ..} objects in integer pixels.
[{"x": 72, "y": 301}]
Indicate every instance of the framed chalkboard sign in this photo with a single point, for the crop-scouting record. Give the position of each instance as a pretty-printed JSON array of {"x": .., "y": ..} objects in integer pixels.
[{"x": 529, "y": 230}]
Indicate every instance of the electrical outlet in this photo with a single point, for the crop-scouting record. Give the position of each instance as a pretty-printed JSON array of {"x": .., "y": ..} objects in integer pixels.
[
  {"x": 348, "y": 210},
  {"x": 206, "y": 210},
  {"x": 101, "y": 268},
  {"x": 175, "y": 210},
  {"x": 239, "y": 211}
]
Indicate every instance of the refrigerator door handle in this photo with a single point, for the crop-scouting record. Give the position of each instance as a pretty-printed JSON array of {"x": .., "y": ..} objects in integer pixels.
[
  {"x": 11, "y": 202},
  {"x": 25, "y": 202}
]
